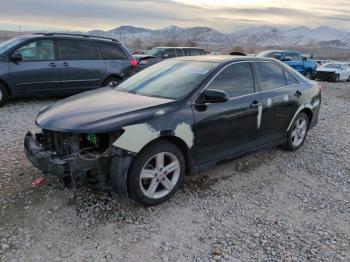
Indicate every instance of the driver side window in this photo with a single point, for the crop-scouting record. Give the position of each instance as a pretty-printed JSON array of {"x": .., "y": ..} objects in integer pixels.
[
  {"x": 236, "y": 80},
  {"x": 39, "y": 50}
]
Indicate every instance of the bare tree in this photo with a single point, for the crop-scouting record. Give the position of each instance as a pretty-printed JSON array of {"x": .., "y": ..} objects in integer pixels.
[{"x": 137, "y": 43}]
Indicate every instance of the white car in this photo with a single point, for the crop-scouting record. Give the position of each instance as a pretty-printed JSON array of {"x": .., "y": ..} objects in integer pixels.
[{"x": 334, "y": 71}]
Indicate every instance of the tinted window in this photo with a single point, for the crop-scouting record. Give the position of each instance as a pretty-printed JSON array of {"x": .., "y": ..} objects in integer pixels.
[
  {"x": 110, "y": 51},
  {"x": 236, "y": 80},
  {"x": 37, "y": 50},
  {"x": 170, "y": 52},
  {"x": 180, "y": 52},
  {"x": 290, "y": 80},
  {"x": 77, "y": 50},
  {"x": 271, "y": 76},
  {"x": 193, "y": 52},
  {"x": 272, "y": 54},
  {"x": 293, "y": 56}
]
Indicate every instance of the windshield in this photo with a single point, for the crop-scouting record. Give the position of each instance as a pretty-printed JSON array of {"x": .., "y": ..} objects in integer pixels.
[
  {"x": 156, "y": 52},
  {"x": 272, "y": 54},
  {"x": 4, "y": 46},
  {"x": 168, "y": 79},
  {"x": 335, "y": 66}
]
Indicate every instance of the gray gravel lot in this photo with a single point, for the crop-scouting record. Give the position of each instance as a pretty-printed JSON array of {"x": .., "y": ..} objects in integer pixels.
[{"x": 269, "y": 206}]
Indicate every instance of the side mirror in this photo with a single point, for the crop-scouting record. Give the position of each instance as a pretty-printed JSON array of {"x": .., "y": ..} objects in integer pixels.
[
  {"x": 304, "y": 58},
  {"x": 165, "y": 55},
  {"x": 215, "y": 96},
  {"x": 16, "y": 58}
]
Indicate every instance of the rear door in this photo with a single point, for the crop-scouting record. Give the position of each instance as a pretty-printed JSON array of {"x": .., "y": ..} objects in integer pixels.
[
  {"x": 229, "y": 128},
  {"x": 116, "y": 59},
  {"x": 281, "y": 95},
  {"x": 38, "y": 72},
  {"x": 80, "y": 65}
]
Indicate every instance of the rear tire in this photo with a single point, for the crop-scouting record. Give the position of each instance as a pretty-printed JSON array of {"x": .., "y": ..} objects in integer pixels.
[
  {"x": 112, "y": 81},
  {"x": 156, "y": 173},
  {"x": 308, "y": 75},
  {"x": 3, "y": 95},
  {"x": 297, "y": 133}
]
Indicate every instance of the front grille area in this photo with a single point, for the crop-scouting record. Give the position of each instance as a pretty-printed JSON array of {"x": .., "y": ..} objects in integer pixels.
[
  {"x": 324, "y": 75},
  {"x": 61, "y": 143}
]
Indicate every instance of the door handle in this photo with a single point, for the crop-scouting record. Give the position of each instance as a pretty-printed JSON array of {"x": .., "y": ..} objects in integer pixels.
[
  {"x": 255, "y": 104},
  {"x": 65, "y": 64},
  {"x": 52, "y": 65},
  {"x": 297, "y": 93}
]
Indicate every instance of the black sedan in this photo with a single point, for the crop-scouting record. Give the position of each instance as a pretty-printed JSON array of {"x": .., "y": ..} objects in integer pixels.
[{"x": 173, "y": 119}]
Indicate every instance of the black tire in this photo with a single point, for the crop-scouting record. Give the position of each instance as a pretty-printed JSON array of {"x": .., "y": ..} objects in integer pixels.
[
  {"x": 112, "y": 81},
  {"x": 335, "y": 78},
  {"x": 134, "y": 180},
  {"x": 3, "y": 95},
  {"x": 308, "y": 75},
  {"x": 289, "y": 144}
]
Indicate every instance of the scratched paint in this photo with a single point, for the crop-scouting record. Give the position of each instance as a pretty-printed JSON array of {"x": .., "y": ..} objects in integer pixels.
[
  {"x": 259, "y": 116},
  {"x": 135, "y": 137},
  {"x": 269, "y": 102},
  {"x": 286, "y": 98},
  {"x": 184, "y": 131}
]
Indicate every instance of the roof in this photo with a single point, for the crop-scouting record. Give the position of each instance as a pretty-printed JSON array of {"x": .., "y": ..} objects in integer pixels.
[
  {"x": 221, "y": 58},
  {"x": 183, "y": 47},
  {"x": 69, "y": 35}
]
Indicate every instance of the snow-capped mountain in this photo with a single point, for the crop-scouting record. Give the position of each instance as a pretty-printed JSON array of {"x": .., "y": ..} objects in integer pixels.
[
  {"x": 262, "y": 36},
  {"x": 298, "y": 36}
]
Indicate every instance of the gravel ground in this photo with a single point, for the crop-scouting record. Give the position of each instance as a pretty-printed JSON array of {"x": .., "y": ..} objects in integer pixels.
[{"x": 269, "y": 206}]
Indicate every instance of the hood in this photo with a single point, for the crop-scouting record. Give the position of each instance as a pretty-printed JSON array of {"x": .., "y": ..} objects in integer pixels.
[
  {"x": 97, "y": 111},
  {"x": 326, "y": 69}
]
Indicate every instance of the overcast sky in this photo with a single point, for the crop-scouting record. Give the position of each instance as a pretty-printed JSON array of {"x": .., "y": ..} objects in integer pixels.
[{"x": 223, "y": 15}]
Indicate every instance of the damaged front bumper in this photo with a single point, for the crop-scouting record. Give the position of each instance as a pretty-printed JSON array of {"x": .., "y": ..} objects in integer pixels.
[{"x": 107, "y": 171}]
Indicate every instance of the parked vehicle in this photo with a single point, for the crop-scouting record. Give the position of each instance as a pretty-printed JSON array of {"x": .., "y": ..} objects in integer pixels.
[
  {"x": 295, "y": 59},
  {"x": 173, "y": 119},
  {"x": 322, "y": 62},
  {"x": 158, "y": 54},
  {"x": 57, "y": 63},
  {"x": 335, "y": 71}
]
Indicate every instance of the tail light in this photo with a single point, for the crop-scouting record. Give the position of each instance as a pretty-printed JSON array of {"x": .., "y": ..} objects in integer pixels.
[{"x": 133, "y": 63}]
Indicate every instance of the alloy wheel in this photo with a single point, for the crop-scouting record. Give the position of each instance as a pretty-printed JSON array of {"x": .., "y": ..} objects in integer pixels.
[
  {"x": 159, "y": 175},
  {"x": 299, "y": 132}
]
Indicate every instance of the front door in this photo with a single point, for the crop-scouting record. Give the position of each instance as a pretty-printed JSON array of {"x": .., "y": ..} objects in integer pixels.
[
  {"x": 80, "y": 65},
  {"x": 228, "y": 128},
  {"x": 38, "y": 71}
]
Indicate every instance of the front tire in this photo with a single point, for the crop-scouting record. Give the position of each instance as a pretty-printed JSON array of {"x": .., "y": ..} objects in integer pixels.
[
  {"x": 112, "y": 81},
  {"x": 297, "y": 133},
  {"x": 336, "y": 78},
  {"x": 3, "y": 95},
  {"x": 156, "y": 173}
]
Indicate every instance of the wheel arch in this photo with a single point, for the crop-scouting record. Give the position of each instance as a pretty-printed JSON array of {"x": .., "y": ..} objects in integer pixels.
[
  {"x": 307, "y": 108},
  {"x": 8, "y": 89},
  {"x": 179, "y": 143},
  {"x": 110, "y": 76}
]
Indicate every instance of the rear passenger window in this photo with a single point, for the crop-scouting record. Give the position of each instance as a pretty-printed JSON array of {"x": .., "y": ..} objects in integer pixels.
[
  {"x": 69, "y": 49},
  {"x": 236, "y": 80},
  {"x": 110, "y": 51},
  {"x": 290, "y": 80},
  {"x": 270, "y": 75}
]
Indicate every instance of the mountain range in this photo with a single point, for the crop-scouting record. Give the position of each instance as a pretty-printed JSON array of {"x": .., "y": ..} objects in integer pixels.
[{"x": 263, "y": 36}]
